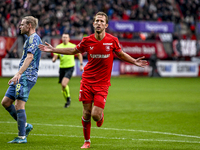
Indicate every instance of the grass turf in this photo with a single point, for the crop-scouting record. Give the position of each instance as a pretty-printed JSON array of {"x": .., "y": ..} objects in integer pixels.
[{"x": 140, "y": 114}]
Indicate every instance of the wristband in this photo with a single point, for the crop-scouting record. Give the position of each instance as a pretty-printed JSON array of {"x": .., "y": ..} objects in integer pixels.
[{"x": 81, "y": 63}]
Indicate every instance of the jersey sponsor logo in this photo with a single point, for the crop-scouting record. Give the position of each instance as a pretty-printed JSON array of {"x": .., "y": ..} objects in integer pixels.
[
  {"x": 99, "y": 55},
  {"x": 91, "y": 48},
  {"x": 107, "y": 43}
]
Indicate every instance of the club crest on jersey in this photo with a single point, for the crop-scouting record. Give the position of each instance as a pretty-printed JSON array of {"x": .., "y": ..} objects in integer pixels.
[
  {"x": 107, "y": 48},
  {"x": 91, "y": 48}
]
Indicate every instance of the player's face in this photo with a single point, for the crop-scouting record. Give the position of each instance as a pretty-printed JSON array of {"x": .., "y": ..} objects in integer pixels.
[
  {"x": 65, "y": 38},
  {"x": 24, "y": 27},
  {"x": 100, "y": 24}
]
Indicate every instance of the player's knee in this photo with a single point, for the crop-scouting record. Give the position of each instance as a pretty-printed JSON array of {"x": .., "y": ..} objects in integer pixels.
[
  {"x": 86, "y": 114},
  {"x": 5, "y": 103},
  {"x": 63, "y": 86},
  {"x": 96, "y": 117}
]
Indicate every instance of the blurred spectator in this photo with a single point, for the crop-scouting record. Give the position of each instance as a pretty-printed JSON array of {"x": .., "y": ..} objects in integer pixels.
[
  {"x": 74, "y": 17},
  {"x": 151, "y": 36},
  {"x": 12, "y": 31},
  {"x": 12, "y": 54},
  {"x": 152, "y": 62},
  {"x": 47, "y": 30}
]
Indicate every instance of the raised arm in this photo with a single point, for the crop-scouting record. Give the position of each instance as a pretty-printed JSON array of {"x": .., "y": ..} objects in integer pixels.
[
  {"x": 51, "y": 49},
  {"x": 138, "y": 62}
]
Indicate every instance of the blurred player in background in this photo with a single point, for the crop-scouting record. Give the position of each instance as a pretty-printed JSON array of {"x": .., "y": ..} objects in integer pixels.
[
  {"x": 95, "y": 82},
  {"x": 26, "y": 77},
  {"x": 67, "y": 64}
]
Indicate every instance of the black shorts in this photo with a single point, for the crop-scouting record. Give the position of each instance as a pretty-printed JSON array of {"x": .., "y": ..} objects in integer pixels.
[{"x": 65, "y": 72}]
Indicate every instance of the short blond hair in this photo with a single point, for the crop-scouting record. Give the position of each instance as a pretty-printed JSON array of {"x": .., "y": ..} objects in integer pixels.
[
  {"x": 101, "y": 14},
  {"x": 32, "y": 20}
]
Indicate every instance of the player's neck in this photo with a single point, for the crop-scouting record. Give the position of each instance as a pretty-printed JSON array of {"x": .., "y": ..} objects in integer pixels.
[
  {"x": 100, "y": 36},
  {"x": 31, "y": 32}
]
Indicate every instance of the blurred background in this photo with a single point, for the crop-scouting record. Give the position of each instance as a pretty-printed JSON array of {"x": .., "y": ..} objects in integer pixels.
[{"x": 166, "y": 32}]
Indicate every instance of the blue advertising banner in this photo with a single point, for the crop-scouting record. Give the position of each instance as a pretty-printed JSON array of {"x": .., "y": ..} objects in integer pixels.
[
  {"x": 136, "y": 26},
  {"x": 124, "y": 26}
]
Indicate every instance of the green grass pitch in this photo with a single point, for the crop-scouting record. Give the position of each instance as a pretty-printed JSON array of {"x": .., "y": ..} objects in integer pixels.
[{"x": 141, "y": 113}]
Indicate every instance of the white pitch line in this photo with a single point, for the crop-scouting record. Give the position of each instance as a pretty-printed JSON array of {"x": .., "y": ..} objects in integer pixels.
[
  {"x": 129, "y": 130},
  {"x": 114, "y": 138}
]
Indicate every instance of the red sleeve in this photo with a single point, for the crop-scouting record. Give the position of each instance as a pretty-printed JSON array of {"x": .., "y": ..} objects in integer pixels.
[
  {"x": 117, "y": 45},
  {"x": 81, "y": 46}
]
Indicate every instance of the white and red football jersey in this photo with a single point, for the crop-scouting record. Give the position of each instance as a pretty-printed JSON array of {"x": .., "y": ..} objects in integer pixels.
[{"x": 97, "y": 72}]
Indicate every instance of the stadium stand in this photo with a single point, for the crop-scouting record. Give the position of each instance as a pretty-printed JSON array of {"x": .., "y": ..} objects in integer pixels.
[{"x": 74, "y": 16}]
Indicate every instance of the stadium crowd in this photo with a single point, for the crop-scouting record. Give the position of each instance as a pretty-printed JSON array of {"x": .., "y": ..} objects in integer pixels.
[{"x": 75, "y": 17}]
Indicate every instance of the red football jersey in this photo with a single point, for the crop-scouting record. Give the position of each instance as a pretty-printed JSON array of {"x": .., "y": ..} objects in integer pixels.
[{"x": 97, "y": 72}]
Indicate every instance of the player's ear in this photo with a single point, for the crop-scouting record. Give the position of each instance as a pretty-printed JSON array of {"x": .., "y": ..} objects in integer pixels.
[
  {"x": 106, "y": 25},
  {"x": 93, "y": 24},
  {"x": 29, "y": 25}
]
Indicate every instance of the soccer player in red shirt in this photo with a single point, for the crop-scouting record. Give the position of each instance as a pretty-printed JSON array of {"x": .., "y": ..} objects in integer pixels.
[{"x": 95, "y": 82}]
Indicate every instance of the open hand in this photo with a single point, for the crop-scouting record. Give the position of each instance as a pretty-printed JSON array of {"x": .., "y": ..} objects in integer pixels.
[
  {"x": 15, "y": 79},
  {"x": 46, "y": 48},
  {"x": 141, "y": 63}
]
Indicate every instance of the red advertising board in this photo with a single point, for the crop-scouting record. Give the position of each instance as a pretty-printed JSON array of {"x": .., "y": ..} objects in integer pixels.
[
  {"x": 5, "y": 45},
  {"x": 138, "y": 49},
  {"x": 127, "y": 68},
  {"x": 2, "y": 46}
]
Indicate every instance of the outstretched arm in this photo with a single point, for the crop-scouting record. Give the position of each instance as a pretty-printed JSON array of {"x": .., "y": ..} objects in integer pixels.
[
  {"x": 51, "y": 49},
  {"x": 138, "y": 62}
]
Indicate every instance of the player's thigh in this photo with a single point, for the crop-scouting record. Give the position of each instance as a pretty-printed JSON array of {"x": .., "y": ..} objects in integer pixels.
[
  {"x": 11, "y": 92},
  {"x": 100, "y": 96},
  {"x": 23, "y": 89},
  {"x": 85, "y": 94}
]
